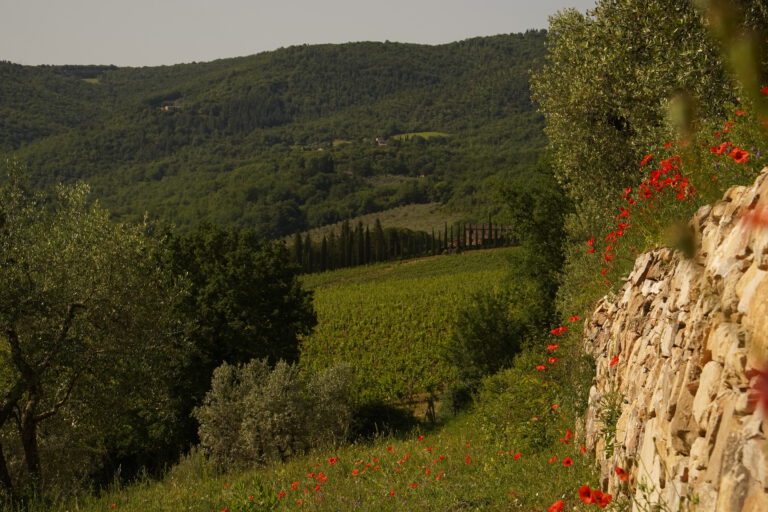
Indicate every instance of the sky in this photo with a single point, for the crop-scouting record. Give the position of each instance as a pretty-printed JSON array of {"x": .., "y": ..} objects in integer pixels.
[{"x": 164, "y": 32}]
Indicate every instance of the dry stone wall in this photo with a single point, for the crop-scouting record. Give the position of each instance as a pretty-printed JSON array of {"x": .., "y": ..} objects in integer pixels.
[{"x": 688, "y": 334}]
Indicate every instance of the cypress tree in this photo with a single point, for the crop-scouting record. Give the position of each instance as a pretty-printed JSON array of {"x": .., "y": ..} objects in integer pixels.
[
  {"x": 308, "y": 256},
  {"x": 346, "y": 244},
  {"x": 298, "y": 249},
  {"x": 379, "y": 242},
  {"x": 367, "y": 246},
  {"x": 324, "y": 254},
  {"x": 333, "y": 251},
  {"x": 360, "y": 241}
]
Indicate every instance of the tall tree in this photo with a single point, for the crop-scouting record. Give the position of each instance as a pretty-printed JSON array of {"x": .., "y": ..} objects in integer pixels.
[{"x": 84, "y": 315}]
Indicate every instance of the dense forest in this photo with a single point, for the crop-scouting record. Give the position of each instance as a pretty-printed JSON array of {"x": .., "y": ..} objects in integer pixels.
[{"x": 283, "y": 141}]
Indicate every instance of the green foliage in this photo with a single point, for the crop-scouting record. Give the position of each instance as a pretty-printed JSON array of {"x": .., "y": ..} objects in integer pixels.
[
  {"x": 605, "y": 88},
  {"x": 394, "y": 321},
  {"x": 487, "y": 334},
  {"x": 248, "y": 143},
  {"x": 245, "y": 301},
  {"x": 84, "y": 315},
  {"x": 610, "y": 411},
  {"x": 254, "y": 414}
]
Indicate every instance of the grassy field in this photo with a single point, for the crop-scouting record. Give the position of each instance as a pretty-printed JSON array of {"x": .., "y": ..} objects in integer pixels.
[
  {"x": 417, "y": 217},
  {"x": 424, "y": 135},
  {"x": 448, "y": 469}
]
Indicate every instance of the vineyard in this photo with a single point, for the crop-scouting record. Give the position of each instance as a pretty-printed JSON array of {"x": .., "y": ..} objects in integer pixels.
[{"x": 394, "y": 320}]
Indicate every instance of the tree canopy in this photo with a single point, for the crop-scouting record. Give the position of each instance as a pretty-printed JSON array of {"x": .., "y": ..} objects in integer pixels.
[{"x": 84, "y": 315}]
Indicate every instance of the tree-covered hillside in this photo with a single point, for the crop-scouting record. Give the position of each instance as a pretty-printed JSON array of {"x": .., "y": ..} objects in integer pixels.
[{"x": 285, "y": 140}]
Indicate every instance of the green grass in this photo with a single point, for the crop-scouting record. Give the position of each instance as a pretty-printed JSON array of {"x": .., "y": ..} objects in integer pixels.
[
  {"x": 424, "y": 135},
  {"x": 394, "y": 320},
  {"x": 417, "y": 217},
  {"x": 453, "y": 469}
]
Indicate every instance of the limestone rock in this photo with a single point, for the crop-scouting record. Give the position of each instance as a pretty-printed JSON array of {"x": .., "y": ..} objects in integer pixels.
[{"x": 688, "y": 332}]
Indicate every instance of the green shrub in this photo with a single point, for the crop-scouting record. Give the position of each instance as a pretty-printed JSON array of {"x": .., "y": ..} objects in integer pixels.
[
  {"x": 514, "y": 404},
  {"x": 254, "y": 414},
  {"x": 487, "y": 335}
]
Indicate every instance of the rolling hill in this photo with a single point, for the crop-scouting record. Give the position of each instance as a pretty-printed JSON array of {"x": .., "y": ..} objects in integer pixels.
[{"x": 248, "y": 142}]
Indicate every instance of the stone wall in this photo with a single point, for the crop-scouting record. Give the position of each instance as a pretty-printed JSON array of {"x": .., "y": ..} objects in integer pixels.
[{"x": 688, "y": 334}]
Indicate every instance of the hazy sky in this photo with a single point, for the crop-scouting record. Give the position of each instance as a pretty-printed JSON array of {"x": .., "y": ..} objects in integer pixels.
[{"x": 154, "y": 32}]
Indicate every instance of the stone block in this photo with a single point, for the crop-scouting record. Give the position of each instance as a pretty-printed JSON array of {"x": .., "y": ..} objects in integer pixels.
[{"x": 708, "y": 385}]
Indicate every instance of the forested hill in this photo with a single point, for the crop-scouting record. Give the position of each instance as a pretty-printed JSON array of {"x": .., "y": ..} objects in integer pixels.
[{"x": 285, "y": 140}]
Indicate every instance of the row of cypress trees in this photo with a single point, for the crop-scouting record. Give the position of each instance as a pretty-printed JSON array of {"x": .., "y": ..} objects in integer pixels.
[{"x": 363, "y": 245}]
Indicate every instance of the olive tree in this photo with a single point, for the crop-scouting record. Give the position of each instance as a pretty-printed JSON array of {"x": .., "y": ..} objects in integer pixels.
[
  {"x": 83, "y": 318},
  {"x": 605, "y": 88}
]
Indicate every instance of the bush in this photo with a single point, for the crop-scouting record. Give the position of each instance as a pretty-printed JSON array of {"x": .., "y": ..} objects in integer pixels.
[
  {"x": 254, "y": 414},
  {"x": 490, "y": 331},
  {"x": 514, "y": 406}
]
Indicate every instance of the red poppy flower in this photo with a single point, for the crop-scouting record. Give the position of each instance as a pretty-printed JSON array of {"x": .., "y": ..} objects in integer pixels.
[
  {"x": 600, "y": 498},
  {"x": 623, "y": 475},
  {"x": 555, "y": 407},
  {"x": 556, "y": 506},
  {"x": 764, "y": 91},
  {"x": 552, "y": 347},
  {"x": 558, "y": 331},
  {"x": 583, "y": 449},
  {"x": 590, "y": 242},
  {"x": 541, "y": 367},
  {"x": 281, "y": 495},
  {"x": 591, "y": 250},
  {"x": 740, "y": 112},
  {"x": 392, "y": 492},
  {"x": 575, "y": 318},
  {"x": 645, "y": 160},
  {"x": 585, "y": 494},
  {"x": 517, "y": 456},
  {"x": 333, "y": 460},
  {"x": 614, "y": 361},
  {"x": 739, "y": 156},
  {"x": 414, "y": 485},
  {"x": 391, "y": 448},
  {"x": 567, "y": 462},
  {"x": 552, "y": 360},
  {"x": 355, "y": 471},
  {"x": 421, "y": 438},
  {"x": 668, "y": 145},
  {"x": 467, "y": 459},
  {"x": 568, "y": 434}
]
